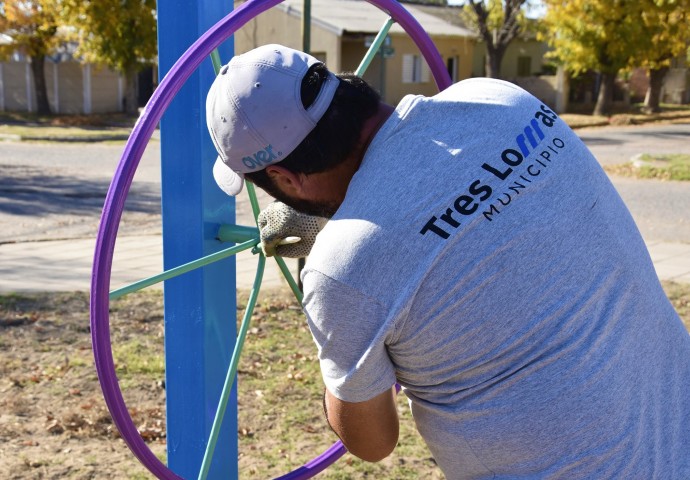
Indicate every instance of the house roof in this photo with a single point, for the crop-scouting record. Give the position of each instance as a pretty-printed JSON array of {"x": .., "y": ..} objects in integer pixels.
[
  {"x": 451, "y": 14},
  {"x": 448, "y": 13},
  {"x": 358, "y": 16}
]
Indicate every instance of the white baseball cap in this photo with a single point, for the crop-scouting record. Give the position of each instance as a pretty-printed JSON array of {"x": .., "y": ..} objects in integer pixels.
[{"x": 254, "y": 111}]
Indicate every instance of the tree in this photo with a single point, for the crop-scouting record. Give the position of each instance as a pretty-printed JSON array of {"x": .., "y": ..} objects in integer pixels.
[
  {"x": 118, "y": 33},
  {"x": 33, "y": 26},
  {"x": 599, "y": 35},
  {"x": 666, "y": 26},
  {"x": 438, "y": 3},
  {"x": 498, "y": 23}
]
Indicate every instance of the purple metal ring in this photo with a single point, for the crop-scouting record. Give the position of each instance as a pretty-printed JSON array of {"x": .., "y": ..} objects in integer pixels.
[{"x": 121, "y": 183}]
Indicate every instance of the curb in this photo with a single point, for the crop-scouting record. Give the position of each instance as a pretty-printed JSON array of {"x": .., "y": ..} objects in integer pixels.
[
  {"x": 633, "y": 121},
  {"x": 10, "y": 137},
  {"x": 61, "y": 138},
  {"x": 96, "y": 137}
]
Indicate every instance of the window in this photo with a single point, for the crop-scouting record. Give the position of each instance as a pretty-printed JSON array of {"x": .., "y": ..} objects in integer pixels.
[
  {"x": 524, "y": 66},
  {"x": 320, "y": 56},
  {"x": 452, "y": 64},
  {"x": 414, "y": 69}
]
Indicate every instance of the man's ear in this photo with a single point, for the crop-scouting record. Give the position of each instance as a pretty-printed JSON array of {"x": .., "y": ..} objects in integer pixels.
[{"x": 288, "y": 181}]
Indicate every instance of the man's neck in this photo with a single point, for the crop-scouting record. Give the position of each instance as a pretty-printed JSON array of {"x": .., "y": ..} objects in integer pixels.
[
  {"x": 330, "y": 187},
  {"x": 372, "y": 126}
]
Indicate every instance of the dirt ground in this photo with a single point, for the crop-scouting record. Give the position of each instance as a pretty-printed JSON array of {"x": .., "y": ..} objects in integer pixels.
[
  {"x": 53, "y": 420},
  {"x": 54, "y": 423}
]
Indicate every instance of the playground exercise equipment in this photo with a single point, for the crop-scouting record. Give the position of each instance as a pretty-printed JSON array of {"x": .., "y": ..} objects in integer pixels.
[{"x": 245, "y": 237}]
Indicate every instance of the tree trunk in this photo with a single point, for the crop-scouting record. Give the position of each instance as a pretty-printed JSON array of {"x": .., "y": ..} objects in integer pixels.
[
  {"x": 497, "y": 40},
  {"x": 605, "y": 98},
  {"x": 494, "y": 58},
  {"x": 131, "y": 104},
  {"x": 40, "y": 90},
  {"x": 653, "y": 98}
]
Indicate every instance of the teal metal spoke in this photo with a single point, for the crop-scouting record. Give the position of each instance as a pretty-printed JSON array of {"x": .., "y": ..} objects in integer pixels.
[
  {"x": 374, "y": 48},
  {"x": 237, "y": 233},
  {"x": 187, "y": 267},
  {"x": 232, "y": 370},
  {"x": 288, "y": 276}
]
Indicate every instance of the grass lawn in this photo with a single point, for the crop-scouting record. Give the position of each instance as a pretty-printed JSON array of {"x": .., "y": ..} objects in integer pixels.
[
  {"x": 64, "y": 133},
  {"x": 73, "y": 128},
  {"x": 660, "y": 167},
  {"x": 54, "y": 423},
  {"x": 117, "y": 126},
  {"x": 631, "y": 116}
]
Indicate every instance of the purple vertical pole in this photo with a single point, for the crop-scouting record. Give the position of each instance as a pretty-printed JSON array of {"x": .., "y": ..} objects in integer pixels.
[{"x": 200, "y": 307}]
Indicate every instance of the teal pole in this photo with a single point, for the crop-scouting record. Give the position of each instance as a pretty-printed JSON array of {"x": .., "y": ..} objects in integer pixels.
[
  {"x": 374, "y": 48},
  {"x": 306, "y": 26}
]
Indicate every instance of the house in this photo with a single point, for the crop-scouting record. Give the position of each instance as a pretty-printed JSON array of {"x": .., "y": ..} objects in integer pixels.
[
  {"x": 676, "y": 87},
  {"x": 523, "y": 62},
  {"x": 676, "y": 84},
  {"x": 524, "y": 56},
  {"x": 341, "y": 31}
]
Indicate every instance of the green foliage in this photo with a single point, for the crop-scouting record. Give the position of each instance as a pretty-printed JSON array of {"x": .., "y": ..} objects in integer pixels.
[
  {"x": 498, "y": 23},
  {"x": 495, "y": 18},
  {"x": 118, "y": 33},
  {"x": 31, "y": 24},
  {"x": 665, "y": 26},
  {"x": 440, "y": 3},
  {"x": 610, "y": 35},
  {"x": 591, "y": 34}
]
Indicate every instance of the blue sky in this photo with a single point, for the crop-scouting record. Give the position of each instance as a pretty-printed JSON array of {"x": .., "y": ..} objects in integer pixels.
[{"x": 536, "y": 11}]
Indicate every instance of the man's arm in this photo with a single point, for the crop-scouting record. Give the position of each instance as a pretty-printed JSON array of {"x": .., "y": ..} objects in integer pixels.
[{"x": 368, "y": 429}]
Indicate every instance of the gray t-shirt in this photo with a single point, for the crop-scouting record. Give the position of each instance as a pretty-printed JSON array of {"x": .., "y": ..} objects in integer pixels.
[{"x": 483, "y": 260}]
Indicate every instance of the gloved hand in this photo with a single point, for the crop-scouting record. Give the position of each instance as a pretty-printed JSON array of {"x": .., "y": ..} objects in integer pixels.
[{"x": 286, "y": 232}]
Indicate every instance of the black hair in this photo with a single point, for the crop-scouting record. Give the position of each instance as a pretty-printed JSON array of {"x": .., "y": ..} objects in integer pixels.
[{"x": 337, "y": 135}]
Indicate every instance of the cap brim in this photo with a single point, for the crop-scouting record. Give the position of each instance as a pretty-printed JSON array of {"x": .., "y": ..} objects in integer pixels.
[{"x": 228, "y": 180}]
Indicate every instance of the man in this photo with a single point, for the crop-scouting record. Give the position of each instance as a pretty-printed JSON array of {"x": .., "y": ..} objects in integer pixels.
[{"x": 477, "y": 255}]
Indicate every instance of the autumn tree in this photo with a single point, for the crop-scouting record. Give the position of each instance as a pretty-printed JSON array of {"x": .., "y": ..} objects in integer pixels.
[
  {"x": 118, "y": 33},
  {"x": 599, "y": 35},
  {"x": 666, "y": 34},
  {"x": 498, "y": 22},
  {"x": 33, "y": 27}
]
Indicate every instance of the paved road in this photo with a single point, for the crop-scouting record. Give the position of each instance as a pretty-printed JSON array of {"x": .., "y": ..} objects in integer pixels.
[
  {"x": 50, "y": 191},
  {"x": 613, "y": 145},
  {"x": 661, "y": 209},
  {"x": 56, "y": 191}
]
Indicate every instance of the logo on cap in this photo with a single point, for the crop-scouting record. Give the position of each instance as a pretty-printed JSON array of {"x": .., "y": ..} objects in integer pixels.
[{"x": 261, "y": 158}]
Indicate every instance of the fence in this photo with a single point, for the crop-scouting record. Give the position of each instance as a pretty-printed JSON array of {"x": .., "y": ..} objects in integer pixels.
[{"x": 72, "y": 87}]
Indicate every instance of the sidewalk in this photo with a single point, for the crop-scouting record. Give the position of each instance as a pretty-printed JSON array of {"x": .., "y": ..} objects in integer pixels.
[{"x": 65, "y": 265}]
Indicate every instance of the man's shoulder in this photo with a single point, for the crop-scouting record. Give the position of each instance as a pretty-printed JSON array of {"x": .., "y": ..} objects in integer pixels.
[
  {"x": 343, "y": 246},
  {"x": 481, "y": 87}
]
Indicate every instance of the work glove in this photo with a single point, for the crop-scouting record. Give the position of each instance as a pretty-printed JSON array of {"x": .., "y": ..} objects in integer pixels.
[{"x": 286, "y": 232}]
